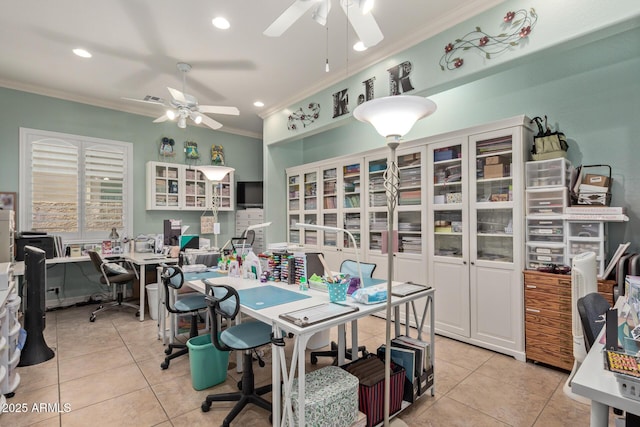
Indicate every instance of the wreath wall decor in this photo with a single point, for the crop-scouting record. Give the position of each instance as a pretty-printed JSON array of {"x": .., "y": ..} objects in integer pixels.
[
  {"x": 518, "y": 27},
  {"x": 304, "y": 118}
]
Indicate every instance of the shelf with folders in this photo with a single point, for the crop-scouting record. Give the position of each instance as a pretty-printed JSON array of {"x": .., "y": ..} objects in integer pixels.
[
  {"x": 375, "y": 190},
  {"x": 410, "y": 232},
  {"x": 330, "y": 238},
  {"x": 494, "y": 235},
  {"x": 377, "y": 226},
  {"x": 294, "y": 233}
]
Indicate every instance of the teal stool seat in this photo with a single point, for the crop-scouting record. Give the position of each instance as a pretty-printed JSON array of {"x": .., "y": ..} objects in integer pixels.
[
  {"x": 191, "y": 302},
  {"x": 246, "y": 336}
]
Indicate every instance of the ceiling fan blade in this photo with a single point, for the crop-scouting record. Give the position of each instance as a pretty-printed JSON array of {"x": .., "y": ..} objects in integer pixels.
[
  {"x": 365, "y": 25},
  {"x": 216, "y": 109},
  {"x": 288, "y": 17},
  {"x": 162, "y": 118},
  {"x": 148, "y": 100},
  {"x": 177, "y": 95},
  {"x": 210, "y": 122}
]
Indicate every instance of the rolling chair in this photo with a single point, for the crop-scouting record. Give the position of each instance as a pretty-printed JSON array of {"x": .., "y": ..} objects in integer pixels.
[
  {"x": 349, "y": 267},
  {"x": 173, "y": 279},
  {"x": 224, "y": 302},
  {"x": 115, "y": 275}
]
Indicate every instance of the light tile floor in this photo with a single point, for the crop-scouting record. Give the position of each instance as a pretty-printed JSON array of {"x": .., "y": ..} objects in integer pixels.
[{"x": 108, "y": 373}]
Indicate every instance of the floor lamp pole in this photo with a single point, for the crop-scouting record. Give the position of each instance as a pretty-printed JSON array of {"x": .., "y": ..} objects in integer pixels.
[{"x": 391, "y": 178}]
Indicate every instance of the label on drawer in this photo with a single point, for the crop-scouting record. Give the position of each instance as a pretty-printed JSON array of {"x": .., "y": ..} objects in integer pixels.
[
  {"x": 544, "y": 258},
  {"x": 543, "y": 250},
  {"x": 545, "y": 231}
]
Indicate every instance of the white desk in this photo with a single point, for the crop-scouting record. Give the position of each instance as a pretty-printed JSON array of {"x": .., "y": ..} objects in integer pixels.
[
  {"x": 595, "y": 382},
  {"x": 140, "y": 259},
  {"x": 270, "y": 315}
]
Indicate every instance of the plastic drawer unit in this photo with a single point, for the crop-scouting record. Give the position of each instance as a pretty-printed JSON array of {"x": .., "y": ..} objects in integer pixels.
[
  {"x": 587, "y": 236},
  {"x": 541, "y": 254},
  {"x": 546, "y": 201},
  {"x": 548, "y": 173}
]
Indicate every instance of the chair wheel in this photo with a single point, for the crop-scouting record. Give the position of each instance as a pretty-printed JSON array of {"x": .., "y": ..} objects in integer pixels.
[
  {"x": 164, "y": 365},
  {"x": 92, "y": 318},
  {"x": 225, "y": 424},
  {"x": 239, "y": 385},
  {"x": 314, "y": 360},
  {"x": 137, "y": 314},
  {"x": 167, "y": 351},
  {"x": 205, "y": 406},
  {"x": 270, "y": 418}
]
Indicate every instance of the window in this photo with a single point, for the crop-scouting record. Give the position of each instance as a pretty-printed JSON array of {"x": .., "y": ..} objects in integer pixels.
[{"x": 74, "y": 186}]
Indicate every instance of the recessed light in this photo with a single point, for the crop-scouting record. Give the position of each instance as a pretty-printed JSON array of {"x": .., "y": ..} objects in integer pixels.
[
  {"x": 259, "y": 104},
  {"x": 221, "y": 23},
  {"x": 359, "y": 47},
  {"x": 82, "y": 53}
]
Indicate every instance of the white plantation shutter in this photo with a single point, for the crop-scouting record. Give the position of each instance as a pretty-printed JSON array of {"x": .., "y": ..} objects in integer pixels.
[{"x": 73, "y": 186}]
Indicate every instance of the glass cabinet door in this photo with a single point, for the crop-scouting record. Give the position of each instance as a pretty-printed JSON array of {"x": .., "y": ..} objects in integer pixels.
[
  {"x": 167, "y": 186},
  {"x": 330, "y": 238},
  {"x": 310, "y": 236},
  {"x": 224, "y": 193},
  {"x": 195, "y": 189},
  {"x": 294, "y": 232},
  {"x": 310, "y": 191},
  {"x": 294, "y": 192},
  {"x": 377, "y": 197},
  {"x": 330, "y": 188},
  {"x": 410, "y": 184},
  {"x": 493, "y": 199},
  {"x": 410, "y": 232},
  {"x": 351, "y": 185},
  {"x": 352, "y": 222},
  {"x": 449, "y": 185}
]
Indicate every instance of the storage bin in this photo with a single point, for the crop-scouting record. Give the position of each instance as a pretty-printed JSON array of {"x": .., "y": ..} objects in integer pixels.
[
  {"x": 331, "y": 398},
  {"x": 593, "y": 229},
  {"x": 548, "y": 173},
  {"x": 208, "y": 364},
  {"x": 337, "y": 291},
  {"x": 370, "y": 393}
]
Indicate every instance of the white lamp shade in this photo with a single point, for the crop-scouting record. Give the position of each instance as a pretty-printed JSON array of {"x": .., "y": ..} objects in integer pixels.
[
  {"x": 394, "y": 115},
  {"x": 214, "y": 173}
]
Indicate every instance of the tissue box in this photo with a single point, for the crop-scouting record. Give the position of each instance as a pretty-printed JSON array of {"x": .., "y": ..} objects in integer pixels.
[{"x": 331, "y": 398}]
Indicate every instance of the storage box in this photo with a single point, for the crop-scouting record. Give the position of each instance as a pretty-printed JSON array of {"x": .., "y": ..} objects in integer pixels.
[
  {"x": 599, "y": 180},
  {"x": 493, "y": 160},
  {"x": 493, "y": 171},
  {"x": 370, "y": 373},
  {"x": 331, "y": 398},
  {"x": 454, "y": 197},
  {"x": 442, "y": 154}
]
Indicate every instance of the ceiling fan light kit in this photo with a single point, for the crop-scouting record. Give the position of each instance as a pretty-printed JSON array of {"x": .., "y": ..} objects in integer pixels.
[{"x": 183, "y": 105}]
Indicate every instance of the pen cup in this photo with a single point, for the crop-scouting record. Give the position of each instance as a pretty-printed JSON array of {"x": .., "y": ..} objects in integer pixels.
[{"x": 337, "y": 291}]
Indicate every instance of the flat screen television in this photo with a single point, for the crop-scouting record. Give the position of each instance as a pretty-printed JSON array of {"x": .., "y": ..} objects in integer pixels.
[{"x": 249, "y": 194}]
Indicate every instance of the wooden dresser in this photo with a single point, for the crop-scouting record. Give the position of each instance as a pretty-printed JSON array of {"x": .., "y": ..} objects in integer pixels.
[{"x": 547, "y": 303}]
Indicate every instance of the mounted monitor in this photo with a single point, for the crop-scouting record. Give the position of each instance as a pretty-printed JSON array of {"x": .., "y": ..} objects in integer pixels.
[{"x": 249, "y": 194}]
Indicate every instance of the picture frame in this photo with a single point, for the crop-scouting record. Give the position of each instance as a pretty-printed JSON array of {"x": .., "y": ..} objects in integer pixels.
[{"x": 9, "y": 200}]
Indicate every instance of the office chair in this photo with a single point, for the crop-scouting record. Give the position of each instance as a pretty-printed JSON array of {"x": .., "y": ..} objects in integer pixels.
[
  {"x": 173, "y": 279},
  {"x": 592, "y": 309},
  {"x": 115, "y": 275},
  {"x": 349, "y": 267},
  {"x": 250, "y": 236},
  {"x": 224, "y": 302}
]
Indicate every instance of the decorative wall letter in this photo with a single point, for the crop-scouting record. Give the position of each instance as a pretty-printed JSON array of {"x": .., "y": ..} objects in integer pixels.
[
  {"x": 340, "y": 103},
  {"x": 399, "y": 78}
]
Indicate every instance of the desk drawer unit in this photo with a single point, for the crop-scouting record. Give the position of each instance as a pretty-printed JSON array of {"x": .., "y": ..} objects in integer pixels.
[{"x": 547, "y": 299}]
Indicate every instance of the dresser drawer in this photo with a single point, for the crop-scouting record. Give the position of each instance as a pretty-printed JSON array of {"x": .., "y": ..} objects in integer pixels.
[{"x": 549, "y": 353}]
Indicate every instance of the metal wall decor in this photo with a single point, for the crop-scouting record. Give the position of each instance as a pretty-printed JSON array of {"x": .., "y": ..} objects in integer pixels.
[
  {"x": 518, "y": 26},
  {"x": 302, "y": 117}
]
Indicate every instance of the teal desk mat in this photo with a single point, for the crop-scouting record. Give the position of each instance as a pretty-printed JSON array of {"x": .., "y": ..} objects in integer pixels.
[
  {"x": 268, "y": 296},
  {"x": 203, "y": 275}
]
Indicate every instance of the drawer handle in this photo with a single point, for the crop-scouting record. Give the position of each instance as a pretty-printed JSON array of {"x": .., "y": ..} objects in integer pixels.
[
  {"x": 532, "y": 310},
  {"x": 532, "y": 287}
]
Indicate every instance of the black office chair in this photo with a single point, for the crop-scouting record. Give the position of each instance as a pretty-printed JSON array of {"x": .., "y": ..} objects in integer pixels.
[
  {"x": 117, "y": 273},
  {"x": 224, "y": 302},
  {"x": 592, "y": 309},
  {"x": 349, "y": 267},
  {"x": 173, "y": 279}
]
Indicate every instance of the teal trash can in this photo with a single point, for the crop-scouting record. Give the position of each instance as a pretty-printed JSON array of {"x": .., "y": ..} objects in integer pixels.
[{"x": 208, "y": 364}]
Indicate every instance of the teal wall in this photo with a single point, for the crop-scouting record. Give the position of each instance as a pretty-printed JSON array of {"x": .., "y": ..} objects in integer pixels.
[
  {"x": 22, "y": 109},
  {"x": 592, "y": 92}
]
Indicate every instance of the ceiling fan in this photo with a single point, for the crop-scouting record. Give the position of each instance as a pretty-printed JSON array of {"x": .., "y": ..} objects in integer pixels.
[
  {"x": 358, "y": 12},
  {"x": 183, "y": 106}
]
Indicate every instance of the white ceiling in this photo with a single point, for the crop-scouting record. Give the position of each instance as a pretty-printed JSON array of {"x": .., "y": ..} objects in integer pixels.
[{"x": 137, "y": 43}]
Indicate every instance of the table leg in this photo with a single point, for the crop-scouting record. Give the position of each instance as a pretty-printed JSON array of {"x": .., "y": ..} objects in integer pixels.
[
  {"x": 599, "y": 414},
  {"x": 142, "y": 290},
  {"x": 302, "y": 346},
  {"x": 276, "y": 392},
  {"x": 342, "y": 345}
]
